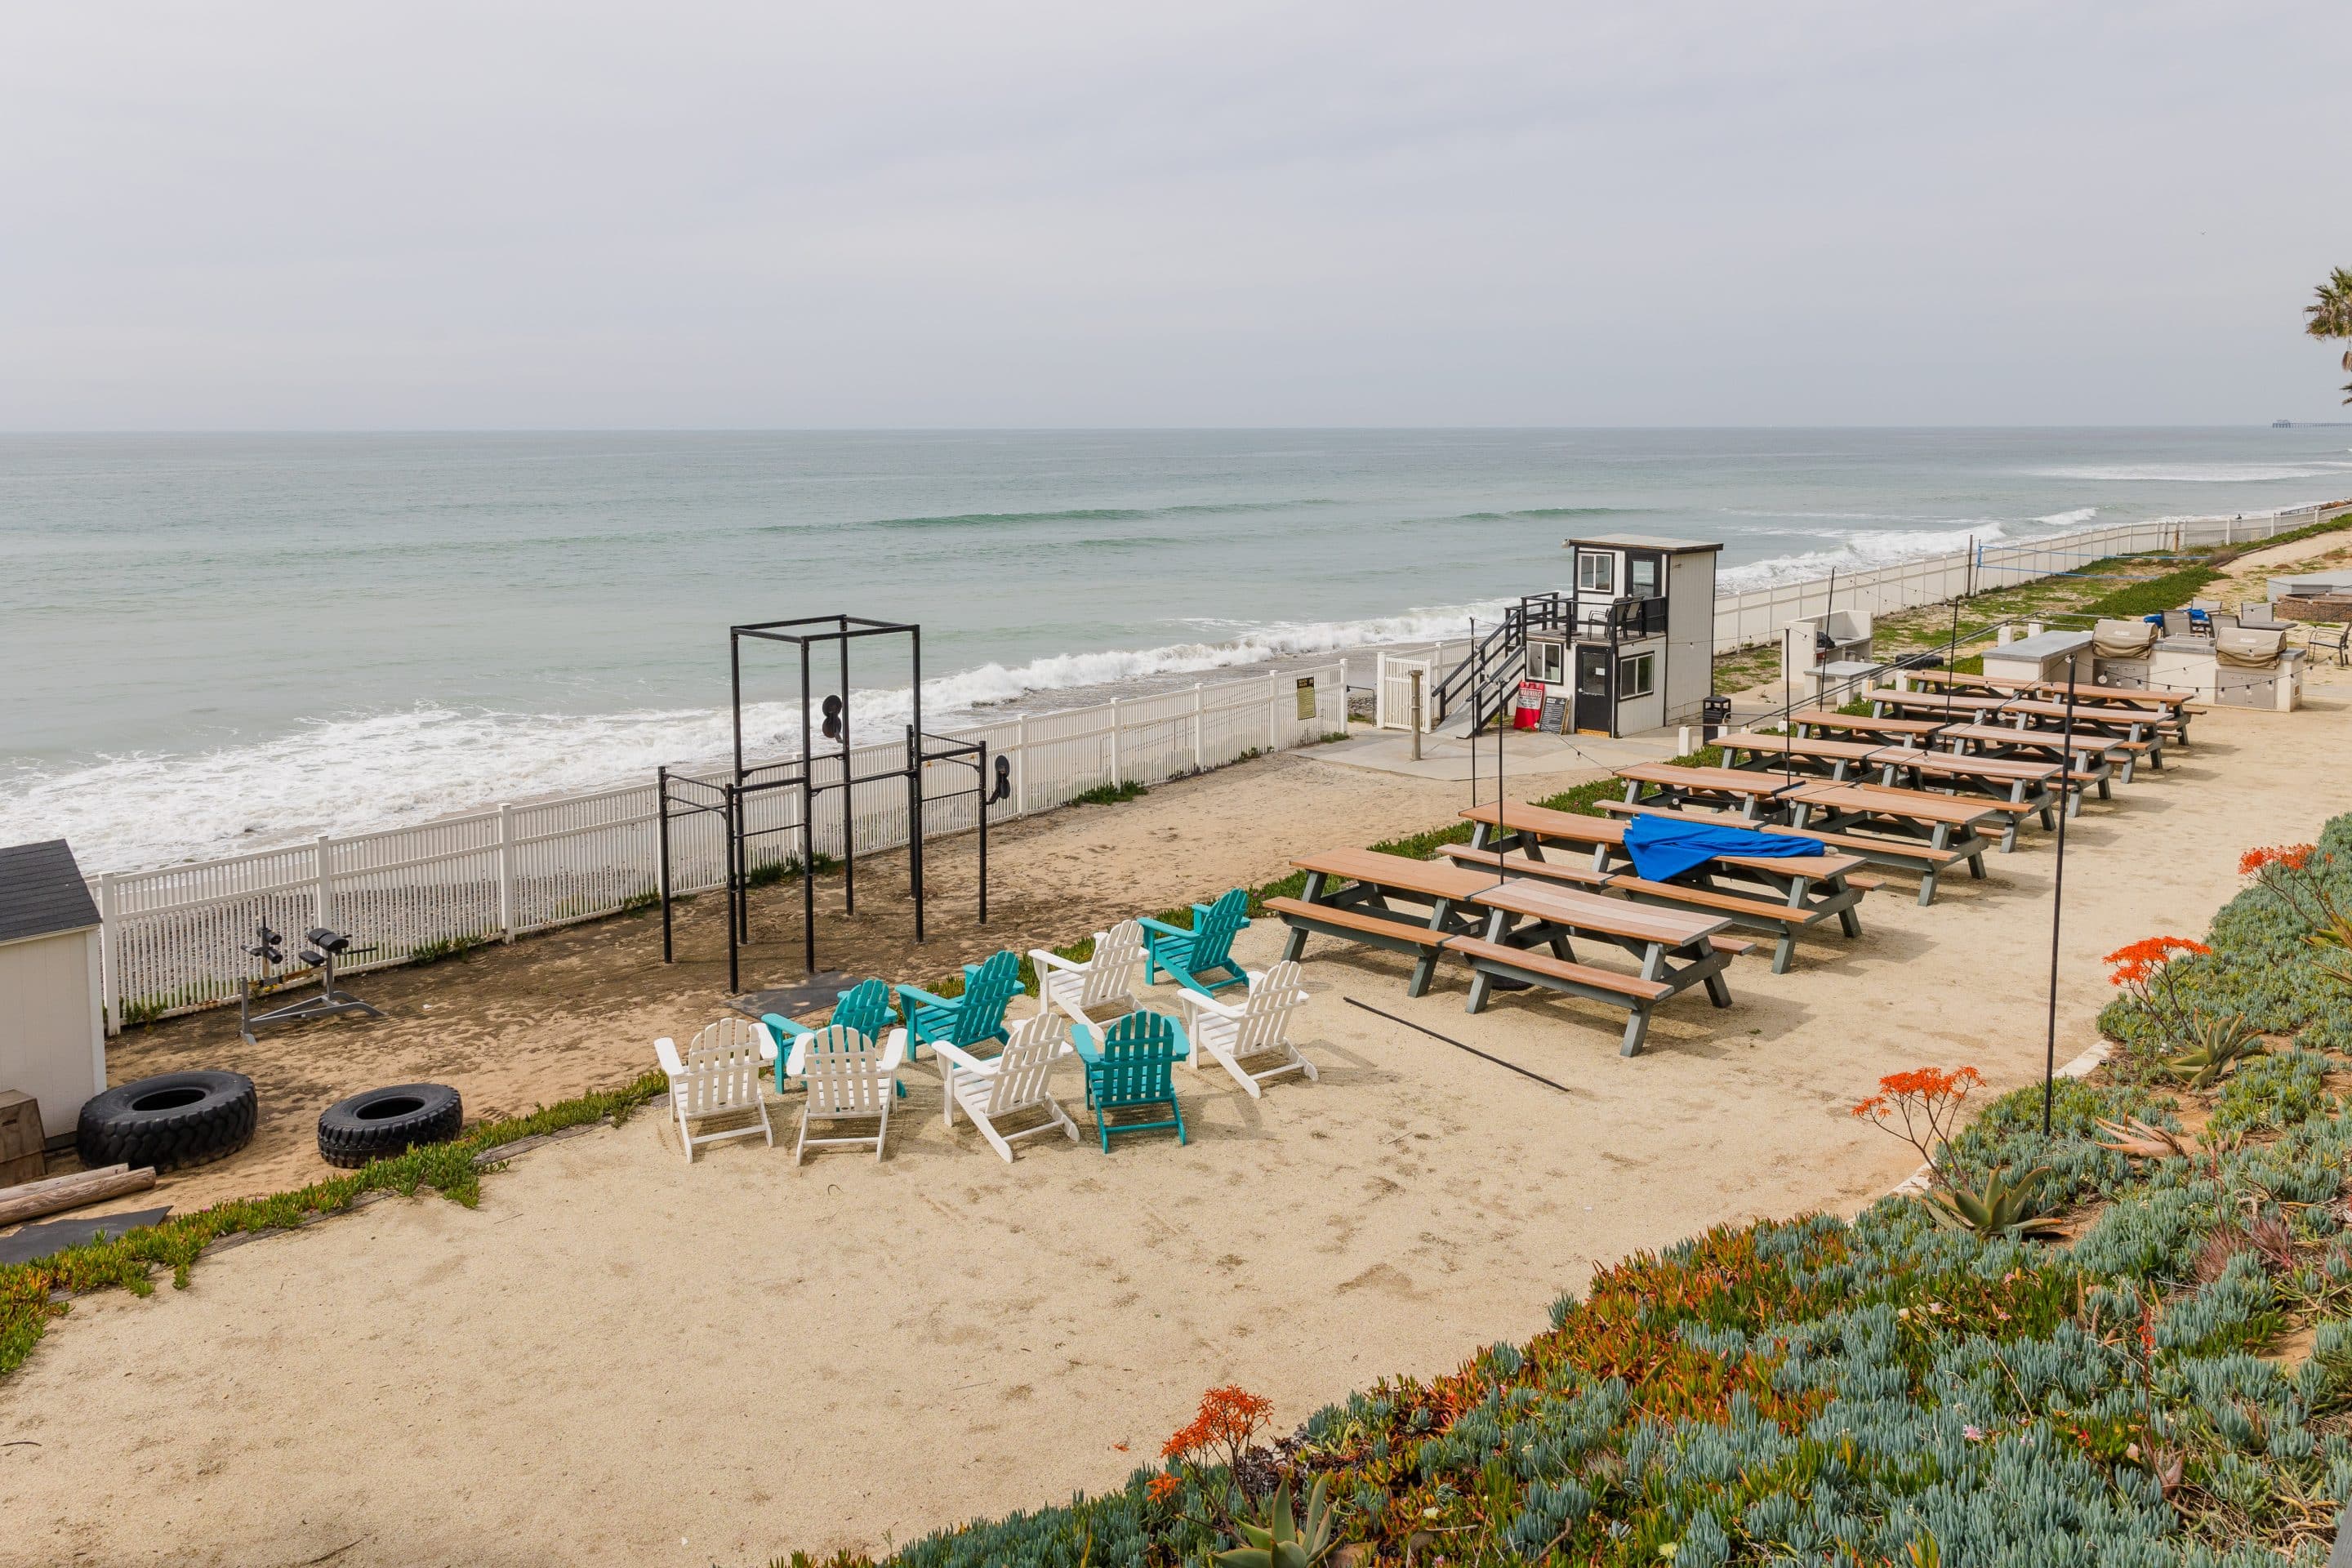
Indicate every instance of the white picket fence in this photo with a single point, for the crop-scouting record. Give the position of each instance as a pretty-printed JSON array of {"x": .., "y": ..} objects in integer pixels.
[
  {"x": 1756, "y": 615},
  {"x": 175, "y": 938}
]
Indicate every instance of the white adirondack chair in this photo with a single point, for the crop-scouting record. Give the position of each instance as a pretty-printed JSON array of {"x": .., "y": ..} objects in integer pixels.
[
  {"x": 719, "y": 1077},
  {"x": 1016, "y": 1080},
  {"x": 1250, "y": 1028},
  {"x": 1101, "y": 988},
  {"x": 849, "y": 1077}
]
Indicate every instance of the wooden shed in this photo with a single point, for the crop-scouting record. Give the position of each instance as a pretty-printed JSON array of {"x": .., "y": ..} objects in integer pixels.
[{"x": 52, "y": 1013}]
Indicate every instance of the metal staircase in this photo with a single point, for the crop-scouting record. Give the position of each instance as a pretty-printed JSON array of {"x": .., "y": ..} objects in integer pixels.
[{"x": 1479, "y": 691}]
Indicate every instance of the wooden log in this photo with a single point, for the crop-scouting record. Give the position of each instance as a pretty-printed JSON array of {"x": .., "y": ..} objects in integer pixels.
[{"x": 71, "y": 1190}]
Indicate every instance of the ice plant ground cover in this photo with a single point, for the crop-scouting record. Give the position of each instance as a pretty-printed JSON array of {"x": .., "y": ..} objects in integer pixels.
[{"x": 2169, "y": 1383}]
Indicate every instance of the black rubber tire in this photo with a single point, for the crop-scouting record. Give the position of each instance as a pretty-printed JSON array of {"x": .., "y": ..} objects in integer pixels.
[
  {"x": 172, "y": 1120},
  {"x": 383, "y": 1122}
]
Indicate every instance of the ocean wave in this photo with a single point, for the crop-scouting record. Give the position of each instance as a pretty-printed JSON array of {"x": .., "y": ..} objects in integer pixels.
[
  {"x": 2080, "y": 515},
  {"x": 1862, "y": 548},
  {"x": 2199, "y": 473},
  {"x": 1541, "y": 511},
  {"x": 357, "y": 772}
]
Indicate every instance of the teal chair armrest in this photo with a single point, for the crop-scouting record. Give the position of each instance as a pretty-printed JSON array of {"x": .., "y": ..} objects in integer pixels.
[
  {"x": 786, "y": 1029},
  {"x": 922, "y": 998},
  {"x": 1161, "y": 928}
]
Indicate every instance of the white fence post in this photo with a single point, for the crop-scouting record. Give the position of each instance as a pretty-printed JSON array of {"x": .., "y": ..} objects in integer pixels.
[
  {"x": 1020, "y": 766},
  {"x": 1114, "y": 744},
  {"x": 110, "y": 959},
  {"x": 326, "y": 897},
  {"x": 1273, "y": 710},
  {"x": 1200, "y": 741},
  {"x": 506, "y": 873}
]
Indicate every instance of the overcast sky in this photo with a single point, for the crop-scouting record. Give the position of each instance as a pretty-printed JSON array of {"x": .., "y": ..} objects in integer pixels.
[{"x": 1198, "y": 213}]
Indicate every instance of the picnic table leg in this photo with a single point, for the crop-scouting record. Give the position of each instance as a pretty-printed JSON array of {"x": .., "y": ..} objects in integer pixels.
[
  {"x": 1424, "y": 968},
  {"x": 1296, "y": 943},
  {"x": 1637, "y": 1026},
  {"x": 1482, "y": 985}
]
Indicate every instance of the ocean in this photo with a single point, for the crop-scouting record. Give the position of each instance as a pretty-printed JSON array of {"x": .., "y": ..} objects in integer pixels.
[{"x": 217, "y": 642}]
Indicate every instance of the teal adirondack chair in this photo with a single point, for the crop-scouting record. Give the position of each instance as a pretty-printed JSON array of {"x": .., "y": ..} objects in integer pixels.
[
  {"x": 865, "y": 1007},
  {"x": 1201, "y": 959},
  {"x": 971, "y": 1021},
  {"x": 1134, "y": 1069}
]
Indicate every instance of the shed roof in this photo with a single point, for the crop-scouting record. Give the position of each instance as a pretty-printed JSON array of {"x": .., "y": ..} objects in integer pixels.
[
  {"x": 42, "y": 892},
  {"x": 1643, "y": 541}
]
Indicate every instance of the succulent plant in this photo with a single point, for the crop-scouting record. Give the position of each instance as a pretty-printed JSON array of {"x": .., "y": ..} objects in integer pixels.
[
  {"x": 1280, "y": 1540},
  {"x": 2217, "y": 1043},
  {"x": 2001, "y": 1207}
]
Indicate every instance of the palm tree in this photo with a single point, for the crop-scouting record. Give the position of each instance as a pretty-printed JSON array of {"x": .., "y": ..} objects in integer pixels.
[{"x": 2332, "y": 316}]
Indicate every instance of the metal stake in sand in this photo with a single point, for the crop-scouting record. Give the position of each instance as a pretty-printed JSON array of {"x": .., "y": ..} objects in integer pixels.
[{"x": 2057, "y": 905}]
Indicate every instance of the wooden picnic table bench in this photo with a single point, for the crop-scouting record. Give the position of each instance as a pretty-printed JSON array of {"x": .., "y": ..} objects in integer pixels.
[
  {"x": 1806, "y": 719},
  {"x": 1805, "y": 753},
  {"x": 1779, "y": 895},
  {"x": 1948, "y": 706},
  {"x": 2133, "y": 733},
  {"x": 2020, "y": 788},
  {"x": 1903, "y": 854},
  {"x": 1938, "y": 821},
  {"x": 2171, "y": 709},
  {"x": 1673, "y": 785},
  {"x": 2085, "y": 754},
  {"x": 1435, "y": 895},
  {"x": 1530, "y": 929}
]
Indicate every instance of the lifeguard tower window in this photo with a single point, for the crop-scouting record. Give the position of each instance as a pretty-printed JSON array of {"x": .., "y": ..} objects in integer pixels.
[
  {"x": 1545, "y": 662},
  {"x": 1596, "y": 572},
  {"x": 1637, "y": 676},
  {"x": 1641, "y": 575}
]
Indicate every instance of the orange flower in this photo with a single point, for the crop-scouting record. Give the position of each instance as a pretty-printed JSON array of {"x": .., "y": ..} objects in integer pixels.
[
  {"x": 2140, "y": 962},
  {"x": 1230, "y": 1417},
  {"x": 1162, "y": 1488},
  {"x": 2288, "y": 857}
]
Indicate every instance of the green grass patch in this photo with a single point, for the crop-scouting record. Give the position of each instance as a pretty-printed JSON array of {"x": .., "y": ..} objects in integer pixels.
[
  {"x": 1110, "y": 794},
  {"x": 2168, "y": 592}
]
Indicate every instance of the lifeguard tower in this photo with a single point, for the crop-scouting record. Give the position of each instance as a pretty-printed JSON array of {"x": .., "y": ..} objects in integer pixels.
[{"x": 1632, "y": 649}]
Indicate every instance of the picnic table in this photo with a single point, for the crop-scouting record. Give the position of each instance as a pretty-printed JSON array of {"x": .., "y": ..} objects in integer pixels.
[
  {"x": 1433, "y": 895},
  {"x": 1838, "y": 759},
  {"x": 1904, "y": 854},
  {"x": 2172, "y": 709},
  {"x": 1893, "y": 730},
  {"x": 1870, "y": 815},
  {"x": 1945, "y": 706},
  {"x": 1670, "y": 784},
  {"x": 1779, "y": 895},
  {"x": 1531, "y": 928},
  {"x": 2135, "y": 732},
  {"x": 2020, "y": 788},
  {"x": 2085, "y": 757},
  {"x": 1477, "y": 916}
]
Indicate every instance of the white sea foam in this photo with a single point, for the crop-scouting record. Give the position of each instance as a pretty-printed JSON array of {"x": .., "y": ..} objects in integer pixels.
[
  {"x": 362, "y": 771},
  {"x": 1862, "y": 549},
  {"x": 2074, "y": 519}
]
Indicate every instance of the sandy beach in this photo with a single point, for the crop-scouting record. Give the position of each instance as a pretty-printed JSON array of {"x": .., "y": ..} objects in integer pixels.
[{"x": 622, "y": 1357}]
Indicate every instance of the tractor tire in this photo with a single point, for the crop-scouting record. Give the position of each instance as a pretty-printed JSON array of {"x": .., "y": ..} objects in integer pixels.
[
  {"x": 173, "y": 1120},
  {"x": 383, "y": 1122}
]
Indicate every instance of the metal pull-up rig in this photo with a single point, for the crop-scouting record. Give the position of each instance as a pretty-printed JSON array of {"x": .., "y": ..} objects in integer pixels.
[{"x": 813, "y": 774}]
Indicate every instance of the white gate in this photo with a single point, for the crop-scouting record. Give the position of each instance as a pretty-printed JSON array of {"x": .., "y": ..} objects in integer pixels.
[{"x": 1392, "y": 691}]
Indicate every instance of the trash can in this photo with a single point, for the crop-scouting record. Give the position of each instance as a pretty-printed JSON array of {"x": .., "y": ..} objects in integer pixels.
[{"x": 1715, "y": 715}]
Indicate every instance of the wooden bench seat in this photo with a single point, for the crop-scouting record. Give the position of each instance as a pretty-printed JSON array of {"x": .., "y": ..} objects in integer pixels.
[
  {"x": 1356, "y": 920},
  {"x": 1569, "y": 973},
  {"x": 1581, "y": 873}
]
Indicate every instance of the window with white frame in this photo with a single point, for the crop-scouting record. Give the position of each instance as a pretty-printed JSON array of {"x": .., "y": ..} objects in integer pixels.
[
  {"x": 1546, "y": 662},
  {"x": 1596, "y": 572},
  {"x": 1637, "y": 675}
]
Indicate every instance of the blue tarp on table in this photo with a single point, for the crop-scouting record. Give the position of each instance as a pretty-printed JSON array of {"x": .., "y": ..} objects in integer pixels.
[{"x": 1663, "y": 848}]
